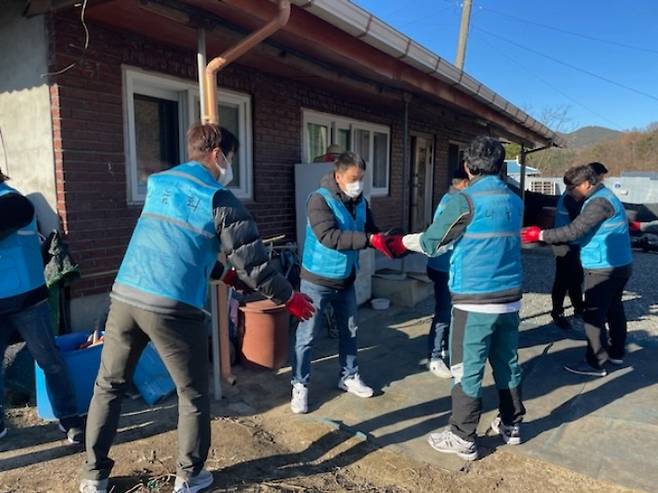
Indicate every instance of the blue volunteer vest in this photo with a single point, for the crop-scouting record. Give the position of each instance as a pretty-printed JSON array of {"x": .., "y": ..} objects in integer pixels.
[
  {"x": 21, "y": 264},
  {"x": 485, "y": 266},
  {"x": 327, "y": 262},
  {"x": 174, "y": 246},
  {"x": 441, "y": 262},
  {"x": 609, "y": 244}
]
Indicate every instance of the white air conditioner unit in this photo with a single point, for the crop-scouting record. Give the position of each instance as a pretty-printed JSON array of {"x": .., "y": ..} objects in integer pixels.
[{"x": 545, "y": 187}]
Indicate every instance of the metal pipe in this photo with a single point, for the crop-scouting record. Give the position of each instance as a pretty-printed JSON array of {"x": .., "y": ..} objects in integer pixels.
[
  {"x": 522, "y": 155},
  {"x": 201, "y": 67},
  {"x": 406, "y": 165},
  {"x": 216, "y": 64}
]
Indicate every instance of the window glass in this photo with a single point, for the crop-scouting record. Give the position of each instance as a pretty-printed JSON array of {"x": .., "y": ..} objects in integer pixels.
[
  {"x": 156, "y": 136},
  {"x": 380, "y": 161}
]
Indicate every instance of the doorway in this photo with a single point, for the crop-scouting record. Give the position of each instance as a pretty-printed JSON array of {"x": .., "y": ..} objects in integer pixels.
[{"x": 422, "y": 173}]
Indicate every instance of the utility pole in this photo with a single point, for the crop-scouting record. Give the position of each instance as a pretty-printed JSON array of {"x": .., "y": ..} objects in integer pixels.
[{"x": 463, "y": 34}]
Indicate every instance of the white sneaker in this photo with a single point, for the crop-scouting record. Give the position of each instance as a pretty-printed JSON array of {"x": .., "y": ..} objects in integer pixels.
[
  {"x": 449, "y": 443},
  {"x": 299, "y": 401},
  {"x": 439, "y": 368},
  {"x": 194, "y": 484},
  {"x": 354, "y": 385},
  {"x": 93, "y": 486}
]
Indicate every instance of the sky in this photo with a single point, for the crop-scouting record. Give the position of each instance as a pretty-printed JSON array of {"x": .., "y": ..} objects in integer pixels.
[{"x": 549, "y": 56}]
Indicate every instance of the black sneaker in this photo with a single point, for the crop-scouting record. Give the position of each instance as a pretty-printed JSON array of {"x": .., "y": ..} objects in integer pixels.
[
  {"x": 562, "y": 322},
  {"x": 616, "y": 361},
  {"x": 74, "y": 429},
  {"x": 584, "y": 368},
  {"x": 3, "y": 428},
  {"x": 511, "y": 435}
]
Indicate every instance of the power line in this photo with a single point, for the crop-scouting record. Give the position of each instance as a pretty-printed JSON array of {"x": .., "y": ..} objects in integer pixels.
[
  {"x": 571, "y": 33},
  {"x": 555, "y": 88},
  {"x": 567, "y": 64}
]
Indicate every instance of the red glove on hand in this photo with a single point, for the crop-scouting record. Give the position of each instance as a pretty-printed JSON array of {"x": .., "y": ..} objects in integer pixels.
[
  {"x": 395, "y": 245},
  {"x": 301, "y": 306},
  {"x": 378, "y": 242},
  {"x": 230, "y": 277},
  {"x": 635, "y": 226},
  {"x": 530, "y": 234}
]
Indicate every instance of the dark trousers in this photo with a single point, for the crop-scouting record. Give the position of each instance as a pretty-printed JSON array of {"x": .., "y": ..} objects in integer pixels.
[
  {"x": 474, "y": 338},
  {"x": 603, "y": 294},
  {"x": 182, "y": 343},
  {"x": 568, "y": 278},
  {"x": 34, "y": 325},
  {"x": 437, "y": 340}
]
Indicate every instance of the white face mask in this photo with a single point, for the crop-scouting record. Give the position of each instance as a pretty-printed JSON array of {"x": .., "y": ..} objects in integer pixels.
[
  {"x": 354, "y": 189},
  {"x": 225, "y": 174}
]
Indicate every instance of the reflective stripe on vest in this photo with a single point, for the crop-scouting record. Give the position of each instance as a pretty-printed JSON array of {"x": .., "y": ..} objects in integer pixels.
[
  {"x": 485, "y": 266},
  {"x": 174, "y": 246},
  {"x": 327, "y": 262},
  {"x": 21, "y": 264},
  {"x": 441, "y": 262},
  {"x": 609, "y": 244}
]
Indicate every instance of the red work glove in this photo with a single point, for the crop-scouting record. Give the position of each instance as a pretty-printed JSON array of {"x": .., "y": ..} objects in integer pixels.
[
  {"x": 378, "y": 242},
  {"x": 395, "y": 245},
  {"x": 530, "y": 234},
  {"x": 635, "y": 226},
  {"x": 301, "y": 306},
  {"x": 230, "y": 277}
]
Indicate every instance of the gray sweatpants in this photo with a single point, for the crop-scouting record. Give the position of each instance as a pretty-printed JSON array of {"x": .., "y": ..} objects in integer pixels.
[{"x": 182, "y": 343}]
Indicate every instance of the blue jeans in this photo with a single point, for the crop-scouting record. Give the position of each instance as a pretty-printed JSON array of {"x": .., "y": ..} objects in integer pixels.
[
  {"x": 437, "y": 340},
  {"x": 344, "y": 303},
  {"x": 35, "y": 327}
]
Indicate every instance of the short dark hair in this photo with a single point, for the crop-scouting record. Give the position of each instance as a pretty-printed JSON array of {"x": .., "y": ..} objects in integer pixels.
[
  {"x": 229, "y": 143},
  {"x": 202, "y": 138},
  {"x": 598, "y": 168},
  {"x": 347, "y": 160},
  {"x": 485, "y": 156},
  {"x": 577, "y": 175}
]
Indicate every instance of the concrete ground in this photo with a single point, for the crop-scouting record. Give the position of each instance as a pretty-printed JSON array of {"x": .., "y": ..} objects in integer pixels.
[
  {"x": 605, "y": 428},
  {"x": 580, "y": 434}
]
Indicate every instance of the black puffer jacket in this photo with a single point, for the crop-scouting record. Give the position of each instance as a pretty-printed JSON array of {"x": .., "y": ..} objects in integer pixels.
[
  {"x": 244, "y": 249},
  {"x": 323, "y": 222}
]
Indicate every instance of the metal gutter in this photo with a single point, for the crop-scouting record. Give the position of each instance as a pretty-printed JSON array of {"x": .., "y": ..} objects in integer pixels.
[{"x": 360, "y": 23}]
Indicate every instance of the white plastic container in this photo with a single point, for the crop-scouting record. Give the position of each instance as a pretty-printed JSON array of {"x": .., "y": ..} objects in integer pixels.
[{"x": 380, "y": 303}]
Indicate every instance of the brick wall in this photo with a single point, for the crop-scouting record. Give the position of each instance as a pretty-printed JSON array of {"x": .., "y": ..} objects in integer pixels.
[{"x": 87, "y": 112}]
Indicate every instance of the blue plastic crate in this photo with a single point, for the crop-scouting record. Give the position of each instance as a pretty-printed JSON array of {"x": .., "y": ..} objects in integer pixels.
[
  {"x": 151, "y": 377},
  {"x": 82, "y": 366}
]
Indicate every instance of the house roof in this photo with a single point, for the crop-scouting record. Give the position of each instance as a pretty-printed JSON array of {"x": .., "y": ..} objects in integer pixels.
[
  {"x": 358, "y": 22},
  {"x": 380, "y": 51},
  {"x": 514, "y": 168}
]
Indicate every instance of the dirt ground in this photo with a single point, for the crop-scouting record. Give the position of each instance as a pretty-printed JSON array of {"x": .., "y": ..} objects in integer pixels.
[{"x": 270, "y": 452}]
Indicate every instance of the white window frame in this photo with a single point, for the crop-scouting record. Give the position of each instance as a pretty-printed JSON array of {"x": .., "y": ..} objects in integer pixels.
[
  {"x": 335, "y": 122},
  {"x": 162, "y": 86}
]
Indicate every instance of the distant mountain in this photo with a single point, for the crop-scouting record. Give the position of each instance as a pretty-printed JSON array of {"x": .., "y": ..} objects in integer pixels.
[{"x": 589, "y": 136}]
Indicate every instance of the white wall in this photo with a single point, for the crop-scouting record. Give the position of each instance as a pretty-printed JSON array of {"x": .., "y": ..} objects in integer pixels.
[{"x": 25, "y": 119}]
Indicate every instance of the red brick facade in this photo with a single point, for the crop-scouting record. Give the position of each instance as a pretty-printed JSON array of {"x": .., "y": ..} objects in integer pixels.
[{"x": 88, "y": 133}]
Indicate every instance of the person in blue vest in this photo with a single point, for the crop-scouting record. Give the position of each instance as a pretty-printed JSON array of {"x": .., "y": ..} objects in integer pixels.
[
  {"x": 568, "y": 270},
  {"x": 339, "y": 225},
  {"x": 483, "y": 223},
  {"x": 438, "y": 269},
  {"x": 24, "y": 306},
  {"x": 602, "y": 231},
  {"x": 188, "y": 217}
]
